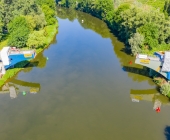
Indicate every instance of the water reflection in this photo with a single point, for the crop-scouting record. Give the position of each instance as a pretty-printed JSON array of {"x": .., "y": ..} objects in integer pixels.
[
  {"x": 89, "y": 22},
  {"x": 40, "y": 62},
  {"x": 136, "y": 72},
  {"x": 15, "y": 86},
  {"x": 84, "y": 92},
  {"x": 151, "y": 95}
]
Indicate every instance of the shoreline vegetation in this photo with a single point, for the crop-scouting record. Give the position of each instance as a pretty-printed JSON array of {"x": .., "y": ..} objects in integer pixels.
[
  {"x": 143, "y": 25},
  {"x": 31, "y": 26}
]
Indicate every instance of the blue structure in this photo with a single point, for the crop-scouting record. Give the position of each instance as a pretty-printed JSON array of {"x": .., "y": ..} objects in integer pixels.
[
  {"x": 160, "y": 55},
  {"x": 11, "y": 57},
  {"x": 16, "y": 58}
]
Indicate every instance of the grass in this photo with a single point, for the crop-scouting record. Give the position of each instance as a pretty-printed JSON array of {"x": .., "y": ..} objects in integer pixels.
[
  {"x": 11, "y": 72},
  {"x": 158, "y": 4},
  {"x": 51, "y": 32},
  {"x": 165, "y": 90},
  {"x": 3, "y": 43}
]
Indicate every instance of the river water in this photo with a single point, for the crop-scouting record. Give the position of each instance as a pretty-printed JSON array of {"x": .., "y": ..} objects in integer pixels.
[{"x": 82, "y": 87}]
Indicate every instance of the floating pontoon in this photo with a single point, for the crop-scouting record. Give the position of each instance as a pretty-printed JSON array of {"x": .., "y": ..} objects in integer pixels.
[{"x": 159, "y": 62}]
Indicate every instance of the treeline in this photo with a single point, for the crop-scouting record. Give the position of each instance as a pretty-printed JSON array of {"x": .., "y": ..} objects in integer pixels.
[
  {"x": 23, "y": 22},
  {"x": 142, "y": 28}
]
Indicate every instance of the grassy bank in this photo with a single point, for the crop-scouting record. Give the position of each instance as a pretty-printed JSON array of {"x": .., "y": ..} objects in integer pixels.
[{"x": 51, "y": 32}]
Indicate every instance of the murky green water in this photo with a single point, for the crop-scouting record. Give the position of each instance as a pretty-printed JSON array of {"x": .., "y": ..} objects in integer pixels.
[{"x": 84, "y": 90}]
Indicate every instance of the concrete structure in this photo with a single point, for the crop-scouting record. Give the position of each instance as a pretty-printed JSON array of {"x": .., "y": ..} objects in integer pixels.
[
  {"x": 159, "y": 62},
  {"x": 5, "y": 55}
]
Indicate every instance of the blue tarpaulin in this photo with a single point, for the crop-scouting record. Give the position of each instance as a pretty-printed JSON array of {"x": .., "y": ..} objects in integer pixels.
[
  {"x": 14, "y": 59},
  {"x": 168, "y": 75}
]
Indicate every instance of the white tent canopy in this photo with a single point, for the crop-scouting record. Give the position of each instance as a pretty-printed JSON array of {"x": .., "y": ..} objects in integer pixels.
[{"x": 4, "y": 55}]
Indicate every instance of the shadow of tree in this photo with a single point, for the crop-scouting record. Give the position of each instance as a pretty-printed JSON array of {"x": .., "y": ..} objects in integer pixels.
[
  {"x": 167, "y": 132},
  {"x": 40, "y": 61},
  {"x": 26, "y": 64},
  {"x": 126, "y": 51},
  {"x": 144, "y": 71}
]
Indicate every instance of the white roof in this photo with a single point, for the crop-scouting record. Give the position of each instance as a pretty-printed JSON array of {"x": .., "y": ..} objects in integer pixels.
[
  {"x": 142, "y": 56},
  {"x": 166, "y": 64},
  {"x": 4, "y": 55},
  {"x": 5, "y": 50}
]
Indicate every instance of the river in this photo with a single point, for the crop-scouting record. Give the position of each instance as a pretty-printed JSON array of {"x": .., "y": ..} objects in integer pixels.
[{"x": 82, "y": 89}]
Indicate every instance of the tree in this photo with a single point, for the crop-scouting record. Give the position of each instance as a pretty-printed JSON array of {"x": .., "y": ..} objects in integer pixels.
[
  {"x": 49, "y": 14},
  {"x": 19, "y": 31},
  {"x": 50, "y": 3},
  {"x": 19, "y": 37},
  {"x": 40, "y": 21},
  {"x": 35, "y": 39},
  {"x": 17, "y": 22},
  {"x": 167, "y": 8},
  {"x": 151, "y": 34},
  {"x": 31, "y": 22},
  {"x": 104, "y": 8},
  {"x": 1, "y": 30},
  {"x": 136, "y": 42},
  {"x": 9, "y": 9}
]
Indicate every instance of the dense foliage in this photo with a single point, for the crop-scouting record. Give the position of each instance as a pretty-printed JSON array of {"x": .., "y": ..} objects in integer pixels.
[
  {"x": 20, "y": 20},
  {"x": 19, "y": 31},
  {"x": 143, "y": 28}
]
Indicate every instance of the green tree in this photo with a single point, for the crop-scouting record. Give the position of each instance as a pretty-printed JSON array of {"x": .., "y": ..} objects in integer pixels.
[
  {"x": 35, "y": 39},
  {"x": 167, "y": 8},
  {"x": 49, "y": 14},
  {"x": 9, "y": 9},
  {"x": 19, "y": 37},
  {"x": 50, "y": 3},
  {"x": 136, "y": 42},
  {"x": 151, "y": 34},
  {"x": 1, "y": 30},
  {"x": 31, "y": 22},
  {"x": 19, "y": 31},
  {"x": 40, "y": 21}
]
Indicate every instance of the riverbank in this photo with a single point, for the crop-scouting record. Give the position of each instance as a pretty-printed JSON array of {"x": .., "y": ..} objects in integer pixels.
[{"x": 51, "y": 32}]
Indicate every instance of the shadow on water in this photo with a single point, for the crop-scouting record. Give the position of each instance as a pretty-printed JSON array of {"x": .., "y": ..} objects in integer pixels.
[
  {"x": 40, "y": 61},
  {"x": 127, "y": 51},
  {"x": 167, "y": 132},
  {"x": 141, "y": 71}
]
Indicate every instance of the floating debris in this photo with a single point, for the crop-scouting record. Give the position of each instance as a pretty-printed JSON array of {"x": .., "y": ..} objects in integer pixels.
[
  {"x": 157, "y": 106},
  {"x": 23, "y": 93},
  {"x": 135, "y": 100}
]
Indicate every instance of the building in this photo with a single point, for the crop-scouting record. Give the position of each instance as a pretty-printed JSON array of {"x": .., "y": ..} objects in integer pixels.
[{"x": 10, "y": 56}]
